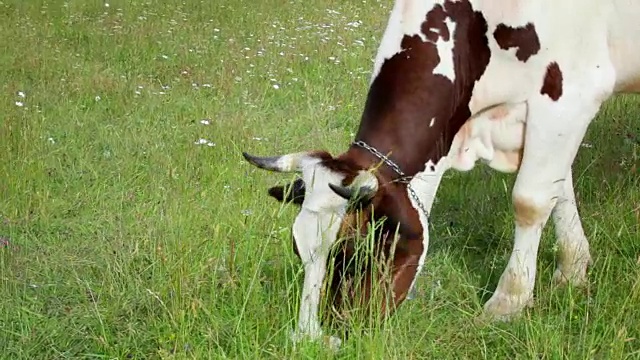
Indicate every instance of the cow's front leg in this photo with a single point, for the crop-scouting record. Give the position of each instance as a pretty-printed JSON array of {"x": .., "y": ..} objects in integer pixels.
[
  {"x": 308, "y": 324},
  {"x": 308, "y": 320},
  {"x": 554, "y": 132},
  {"x": 313, "y": 241},
  {"x": 573, "y": 247}
]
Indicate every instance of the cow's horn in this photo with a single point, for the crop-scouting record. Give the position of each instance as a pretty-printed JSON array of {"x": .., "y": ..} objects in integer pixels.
[
  {"x": 282, "y": 163},
  {"x": 363, "y": 187}
]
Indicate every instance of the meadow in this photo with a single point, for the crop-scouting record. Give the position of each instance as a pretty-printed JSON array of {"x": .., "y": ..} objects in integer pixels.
[{"x": 132, "y": 228}]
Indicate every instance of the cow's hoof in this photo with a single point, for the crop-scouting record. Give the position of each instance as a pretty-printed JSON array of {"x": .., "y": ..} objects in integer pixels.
[
  {"x": 575, "y": 275},
  {"x": 300, "y": 336},
  {"x": 573, "y": 263},
  {"x": 332, "y": 342},
  {"x": 505, "y": 307},
  {"x": 412, "y": 293}
]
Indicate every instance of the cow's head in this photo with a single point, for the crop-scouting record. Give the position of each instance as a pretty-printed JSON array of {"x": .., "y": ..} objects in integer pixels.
[
  {"x": 338, "y": 197},
  {"x": 328, "y": 192}
]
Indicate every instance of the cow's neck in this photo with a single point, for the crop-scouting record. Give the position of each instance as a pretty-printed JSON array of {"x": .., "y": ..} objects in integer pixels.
[{"x": 420, "y": 96}]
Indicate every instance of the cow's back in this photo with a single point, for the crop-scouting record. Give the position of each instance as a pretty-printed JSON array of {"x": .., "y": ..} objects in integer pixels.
[{"x": 579, "y": 34}]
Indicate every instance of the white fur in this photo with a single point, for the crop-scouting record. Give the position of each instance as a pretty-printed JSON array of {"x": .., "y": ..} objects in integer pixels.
[
  {"x": 425, "y": 184},
  {"x": 573, "y": 247},
  {"x": 494, "y": 136},
  {"x": 551, "y": 145},
  {"x": 554, "y": 131},
  {"x": 406, "y": 18},
  {"x": 295, "y": 161},
  {"x": 315, "y": 229},
  {"x": 445, "y": 51}
]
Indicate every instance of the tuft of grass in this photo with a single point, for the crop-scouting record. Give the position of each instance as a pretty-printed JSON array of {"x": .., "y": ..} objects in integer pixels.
[{"x": 131, "y": 227}]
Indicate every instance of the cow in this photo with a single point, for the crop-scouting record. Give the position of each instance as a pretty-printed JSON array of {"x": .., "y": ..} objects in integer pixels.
[{"x": 514, "y": 84}]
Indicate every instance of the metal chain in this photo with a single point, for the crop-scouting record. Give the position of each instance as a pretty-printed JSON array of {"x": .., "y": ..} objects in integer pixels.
[
  {"x": 380, "y": 155},
  {"x": 420, "y": 204},
  {"x": 396, "y": 168}
]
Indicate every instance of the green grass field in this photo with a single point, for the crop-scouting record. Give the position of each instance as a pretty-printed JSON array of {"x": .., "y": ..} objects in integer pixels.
[{"x": 131, "y": 227}]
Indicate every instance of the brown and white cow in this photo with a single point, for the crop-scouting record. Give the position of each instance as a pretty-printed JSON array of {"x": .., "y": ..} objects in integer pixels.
[{"x": 512, "y": 83}]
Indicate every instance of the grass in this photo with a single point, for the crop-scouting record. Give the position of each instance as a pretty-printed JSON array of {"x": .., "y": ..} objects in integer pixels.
[{"x": 123, "y": 238}]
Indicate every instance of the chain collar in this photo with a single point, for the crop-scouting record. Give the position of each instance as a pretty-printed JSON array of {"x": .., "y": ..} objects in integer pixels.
[
  {"x": 382, "y": 157},
  {"x": 403, "y": 178}
]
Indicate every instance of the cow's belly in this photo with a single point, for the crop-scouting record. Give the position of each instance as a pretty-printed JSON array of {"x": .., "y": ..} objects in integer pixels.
[
  {"x": 495, "y": 136},
  {"x": 625, "y": 56},
  {"x": 624, "y": 47}
]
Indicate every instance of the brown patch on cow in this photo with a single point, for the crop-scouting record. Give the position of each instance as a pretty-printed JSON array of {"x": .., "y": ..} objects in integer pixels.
[
  {"x": 434, "y": 27},
  {"x": 342, "y": 165},
  {"x": 406, "y": 94},
  {"x": 355, "y": 222},
  {"x": 527, "y": 213},
  {"x": 382, "y": 283},
  {"x": 405, "y": 267},
  {"x": 392, "y": 267},
  {"x": 524, "y": 38},
  {"x": 552, "y": 83}
]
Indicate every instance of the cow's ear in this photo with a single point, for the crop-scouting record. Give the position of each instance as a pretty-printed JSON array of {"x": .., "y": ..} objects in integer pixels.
[
  {"x": 293, "y": 192},
  {"x": 360, "y": 192}
]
